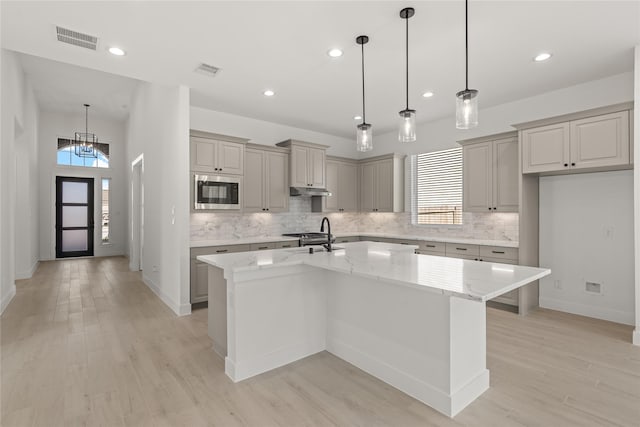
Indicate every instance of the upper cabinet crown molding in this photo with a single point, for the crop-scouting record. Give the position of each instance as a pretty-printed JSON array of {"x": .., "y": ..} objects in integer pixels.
[
  {"x": 624, "y": 106},
  {"x": 217, "y": 136},
  {"x": 290, "y": 142}
]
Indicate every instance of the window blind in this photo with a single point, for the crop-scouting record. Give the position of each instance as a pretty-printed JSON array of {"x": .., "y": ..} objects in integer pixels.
[{"x": 439, "y": 187}]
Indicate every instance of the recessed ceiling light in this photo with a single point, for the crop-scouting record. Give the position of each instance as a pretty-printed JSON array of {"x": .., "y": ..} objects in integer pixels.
[
  {"x": 335, "y": 52},
  {"x": 542, "y": 57},
  {"x": 116, "y": 51},
  {"x": 268, "y": 92},
  {"x": 357, "y": 117},
  {"x": 427, "y": 94}
]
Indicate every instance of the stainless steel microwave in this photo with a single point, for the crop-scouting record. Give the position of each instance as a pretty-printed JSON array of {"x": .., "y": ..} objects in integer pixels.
[{"x": 217, "y": 192}]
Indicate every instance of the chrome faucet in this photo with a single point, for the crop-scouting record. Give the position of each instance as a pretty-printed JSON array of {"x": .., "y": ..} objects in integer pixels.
[{"x": 328, "y": 245}]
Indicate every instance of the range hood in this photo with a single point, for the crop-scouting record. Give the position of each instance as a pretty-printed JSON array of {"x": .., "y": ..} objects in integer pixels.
[{"x": 308, "y": 191}]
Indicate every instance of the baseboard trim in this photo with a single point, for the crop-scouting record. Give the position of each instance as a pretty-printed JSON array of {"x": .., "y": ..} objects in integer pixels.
[
  {"x": 441, "y": 401},
  {"x": 178, "y": 309},
  {"x": 626, "y": 318},
  {"x": 636, "y": 336},
  {"x": 4, "y": 303},
  {"x": 29, "y": 273}
]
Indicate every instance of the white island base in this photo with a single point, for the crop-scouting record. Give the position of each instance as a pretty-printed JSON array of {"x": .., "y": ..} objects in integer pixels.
[{"x": 428, "y": 342}]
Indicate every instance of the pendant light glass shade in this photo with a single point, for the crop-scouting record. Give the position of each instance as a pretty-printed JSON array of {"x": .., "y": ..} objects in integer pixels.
[
  {"x": 467, "y": 109},
  {"x": 84, "y": 142},
  {"x": 364, "y": 134},
  {"x": 407, "y": 126},
  {"x": 364, "y": 138},
  {"x": 467, "y": 99}
]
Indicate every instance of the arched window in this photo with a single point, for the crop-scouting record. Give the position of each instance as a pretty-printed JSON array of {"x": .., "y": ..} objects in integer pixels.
[{"x": 67, "y": 156}]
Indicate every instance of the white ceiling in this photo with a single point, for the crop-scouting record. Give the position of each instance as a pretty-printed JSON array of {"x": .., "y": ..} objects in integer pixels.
[{"x": 282, "y": 46}]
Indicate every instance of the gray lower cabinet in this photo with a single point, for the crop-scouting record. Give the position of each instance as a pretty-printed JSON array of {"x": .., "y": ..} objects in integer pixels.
[
  {"x": 198, "y": 281},
  {"x": 199, "y": 270}
]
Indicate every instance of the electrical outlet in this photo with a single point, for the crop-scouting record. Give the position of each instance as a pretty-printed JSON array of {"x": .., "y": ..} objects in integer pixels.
[
  {"x": 608, "y": 232},
  {"x": 593, "y": 287},
  {"x": 557, "y": 284},
  {"x": 155, "y": 268}
]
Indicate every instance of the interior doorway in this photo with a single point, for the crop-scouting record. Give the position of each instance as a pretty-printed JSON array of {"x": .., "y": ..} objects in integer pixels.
[
  {"x": 137, "y": 214},
  {"x": 74, "y": 217}
]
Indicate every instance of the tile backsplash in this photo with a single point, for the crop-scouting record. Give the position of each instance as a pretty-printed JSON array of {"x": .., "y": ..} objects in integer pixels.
[{"x": 227, "y": 225}]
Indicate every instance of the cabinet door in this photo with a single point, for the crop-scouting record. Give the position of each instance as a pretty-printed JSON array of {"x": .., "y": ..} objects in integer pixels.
[
  {"x": 199, "y": 281},
  {"x": 230, "y": 158},
  {"x": 546, "y": 148},
  {"x": 277, "y": 182},
  {"x": 299, "y": 167},
  {"x": 505, "y": 175},
  {"x": 203, "y": 155},
  {"x": 384, "y": 184},
  {"x": 347, "y": 187},
  {"x": 368, "y": 187},
  {"x": 600, "y": 141},
  {"x": 331, "y": 203},
  {"x": 477, "y": 177},
  {"x": 317, "y": 167},
  {"x": 254, "y": 188}
]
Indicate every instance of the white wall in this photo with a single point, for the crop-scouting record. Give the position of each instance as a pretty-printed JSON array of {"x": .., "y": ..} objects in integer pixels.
[
  {"x": 158, "y": 129},
  {"x": 267, "y": 133},
  {"x": 586, "y": 234},
  {"x": 636, "y": 191},
  {"x": 55, "y": 125},
  {"x": 19, "y": 116},
  {"x": 442, "y": 134}
]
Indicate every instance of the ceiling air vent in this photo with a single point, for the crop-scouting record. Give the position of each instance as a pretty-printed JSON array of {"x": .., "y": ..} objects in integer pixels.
[
  {"x": 75, "y": 38},
  {"x": 207, "y": 69}
]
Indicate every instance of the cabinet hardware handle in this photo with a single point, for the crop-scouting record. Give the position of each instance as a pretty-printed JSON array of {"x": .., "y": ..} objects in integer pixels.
[
  {"x": 263, "y": 247},
  {"x": 267, "y": 209},
  {"x": 495, "y": 209},
  {"x": 430, "y": 246},
  {"x": 566, "y": 164},
  {"x": 573, "y": 164},
  {"x": 461, "y": 249},
  {"x": 489, "y": 208},
  {"x": 286, "y": 246},
  {"x": 497, "y": 252},
  {"x": 222, "y": 250}
]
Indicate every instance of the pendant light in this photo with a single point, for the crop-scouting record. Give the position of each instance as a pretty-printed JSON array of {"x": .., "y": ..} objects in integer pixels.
[
  {"x": 364, "y": 135},
  {"x": 467, "y": 99},
  {"x": 407, "y": 128},
  {"x": 84, "y": 142}
]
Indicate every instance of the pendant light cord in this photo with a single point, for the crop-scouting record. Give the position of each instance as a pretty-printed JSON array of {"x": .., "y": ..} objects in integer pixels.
[
  {"x": 466, "y": 43},
  {"x": 364, "y": 116},
  {"x": 86, "y": 120},
  {"x": 407, "y": 57}
]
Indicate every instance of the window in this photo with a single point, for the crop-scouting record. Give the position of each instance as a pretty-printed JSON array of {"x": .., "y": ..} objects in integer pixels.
[
  {"x": 437, "y": 195},
  {"x": 67, "y": 155},
  {"x": 105, "y": 210}
]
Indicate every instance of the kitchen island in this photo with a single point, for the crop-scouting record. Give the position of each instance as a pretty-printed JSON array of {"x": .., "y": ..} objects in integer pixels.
[{"x": 417, "y": 322}]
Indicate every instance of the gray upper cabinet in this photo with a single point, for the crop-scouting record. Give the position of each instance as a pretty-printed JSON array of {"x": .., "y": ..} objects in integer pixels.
[
  {"x": 600, "y": 141},
  {"x": 266, "y": 181},
  {"x": 382, "y": 184},
  {"x": 490, "y": 174},
  {"x": 217, "y": 156},
  {"x": 342, "y": 181},
  {"x": 308, "y": 163}
]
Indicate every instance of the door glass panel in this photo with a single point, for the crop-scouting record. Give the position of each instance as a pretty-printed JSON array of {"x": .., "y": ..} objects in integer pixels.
[
  {"x": 74, "y": 192},
  {"x": 75, "y": 240},
  {"x": 74, "y": 216}
]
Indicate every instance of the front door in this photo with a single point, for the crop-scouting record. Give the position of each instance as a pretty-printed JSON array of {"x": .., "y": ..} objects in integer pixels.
[{"x": 74, "y": 217}]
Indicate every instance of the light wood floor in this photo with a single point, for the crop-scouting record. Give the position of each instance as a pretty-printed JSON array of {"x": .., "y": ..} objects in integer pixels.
[{"x": 85, "y": 342}]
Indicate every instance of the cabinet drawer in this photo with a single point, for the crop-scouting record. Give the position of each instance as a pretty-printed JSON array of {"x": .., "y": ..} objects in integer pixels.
[
  {"x": 437, "y": 247},
  {"x": 405, "y": 242},
  {"x": 263, "y": 246},
  {"x": 499, "y": 252},
  {"x": 287, "y": 244},
  {"x": 462, "y": 249},
  {"x": 212, "y": 250}
]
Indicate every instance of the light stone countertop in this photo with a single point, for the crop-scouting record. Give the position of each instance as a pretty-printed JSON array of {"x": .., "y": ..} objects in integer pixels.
[
  {"x": 264, "y": 239},
  {"x": 395, "y": 263}
]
